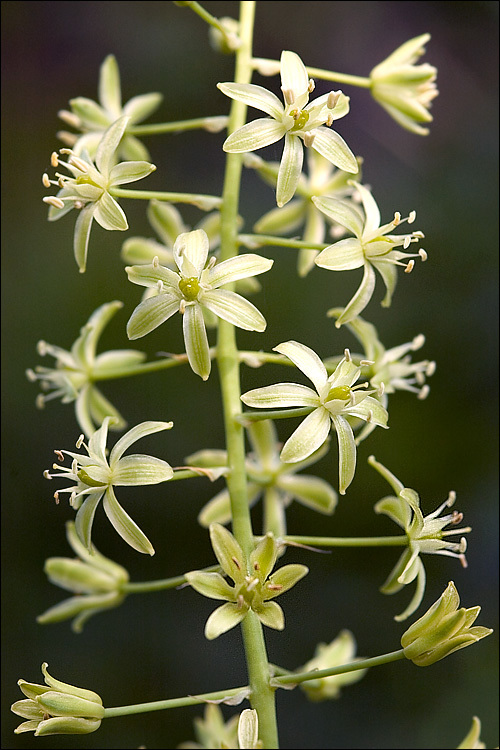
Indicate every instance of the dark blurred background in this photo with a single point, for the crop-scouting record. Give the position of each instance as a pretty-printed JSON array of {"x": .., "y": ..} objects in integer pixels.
[{"x": 153, "y": 647}]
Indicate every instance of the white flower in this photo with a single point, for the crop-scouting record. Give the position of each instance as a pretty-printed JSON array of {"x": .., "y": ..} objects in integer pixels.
[
  {"x": 193, "y": 288},
  {"x": 295, "y": 120},
  {"x": 331, "y": 403}
]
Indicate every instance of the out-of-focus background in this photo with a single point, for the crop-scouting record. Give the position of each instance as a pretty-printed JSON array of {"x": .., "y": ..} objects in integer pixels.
[{"x": 153, "y": 647}]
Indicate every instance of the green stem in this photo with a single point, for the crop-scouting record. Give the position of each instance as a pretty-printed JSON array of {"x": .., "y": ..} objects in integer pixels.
[
  {"x": 353, "y": 541},
  {"x": 205, "y": 202},
  {"x": 228, "y": 359},
  {"x": 254, "y": 416},
  {"x": 212, "y": 124},
  {"x": 260, "y": 64},
  {"x": 375, "y": 661},
  {"x": 188, "y": 700},
  {"x": 162, "y": 584},
  {"x": 257, "y": 240},
  {"x": 206, "y": 16}
]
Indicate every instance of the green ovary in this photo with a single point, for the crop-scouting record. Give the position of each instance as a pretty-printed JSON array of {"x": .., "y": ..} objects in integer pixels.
[
  {"x": 189, "y": 288},
  {"x": 300, "y": 120},
  {"x": 342, "y": 392}
]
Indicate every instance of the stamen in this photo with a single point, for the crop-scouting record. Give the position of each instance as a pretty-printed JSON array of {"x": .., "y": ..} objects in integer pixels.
[
  {"x": 54, "y": 159},
  {"x": 347, "y": 355},
  {"x": 288, "y": 96},
  {"x": 59, "y": 455},
  {"x": 419, "y": 235},
  {"x": 424, "y": 392},
  {"x": 156, "y": 261},
  {"x": 412, "y": 217},
  {"x": 381, "y": 389},
  {"x": 159, "y": 286},
  {"x": 311, "y": 85},
  {"x": 256, "y": 566},
  {"x": 308, "y": 139},
  {"x": 39, "y": 401},
  {"x": 332, "y": 99},
  {"x": 431, "y": 369},
  {"x": 251, "y": 583},
  {"x": 409, "y": 267},
  {"x": 182, "y": 306},
  {"x": 45, "y": 180},
  {"x": 70, "y": 118},
  {"x": 452, "y": 496},
  {"x": 366, "y": 362},
  {"x": 407, "y": 242},
  {"x": 329, "y": 121},
  {"x": 80, "y": 440},
  {"x": 53, "y": 201},
  {"x": 274, "y": 586},
  {"x": 56, "y": 497},
  {"x": 418, "y": 342},
  {"x": 370, "y": 415},
  {"x": 212, "y": 262},
  {"x": 236, "y": 562},
  {"x": 47, "y": 474},
  {"x": 463, "y": 561},
  {"x": 241, "y": 601},
  {"x": 397, "y": 218},
  {"x": 423, "y": 254},
  {"x": 31, "y": 375}
]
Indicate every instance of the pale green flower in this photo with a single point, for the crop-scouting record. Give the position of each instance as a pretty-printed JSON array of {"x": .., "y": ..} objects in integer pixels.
[
  {"x": 253, "y": 588},
  {"x": 472, "y": 740},
  {"x": 212, "y": 731},
  {"x": 75, "y": 372},
  {"x": 95, "y": 476},
  {"x": 95, "y": 581},
  {"x": 342, "y": 650},
  {"x": 406, "y": 90},
  {"x": 372, "y": 249},
  {"x": 196, "y": 286},
  {"x": 425, "y": 536},
  {"x": 296, "y": 120},
  {"x": 442, "y": 630},
  {"x": 248, "y": 730},
  {"x": 88, "y": 188},
  {"x": 322, "y": 179},
  {"x": 270, "y": 478},
  {"x": 93, "y": 118},
  {"x": 334, "y": 399},
  {"x": 58, "y": 708}
]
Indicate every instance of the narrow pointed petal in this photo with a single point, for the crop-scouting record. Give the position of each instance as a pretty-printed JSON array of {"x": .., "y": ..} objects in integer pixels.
[
  {"x": 235, "y": 309},
  {"x": 149, "y": 275},
  {"x": 150, "y": 314},
  {"x": 371, "y": 410},
  {"x": 140, "y": 107},
  {"x": 228, "y": 552},
  {"x": 97, "y": 444},
  {"x": 344, "y": 255},
  {"x": 347, "y": 452},
  {"x": 234, "y": 269},
  {"x": 136, "y": 433},
  {"x": 85, "y": 518},
  {"x": 388, "y": 271},
  {"x": 371, "y": 209},
  {"x": 130, "y": 171},
  {"x": 256, "y": 134},
  {"x": 140, "y": 470},
  {"x": 195, "y": 339},
  {"x": 271, "y": 615},
  {"x": 193, "y": 247},
  {"x": 290, "y": 169},
  {"x": 109, "y": 214},
  {"x": 223, "y": 619},
  {"x": 306, "y": 360},
  {"x": 308, "y": 437},
  {"x": 90, "y": 113},
  {"x": 332, "y": 146},
  {"x": 108, "y": 145},
  {"x": 109, "y": 89},
  {"x": 313, "y": 492},
  {"x": 342, "y": 212},
  {"x": 281, "y": 395},
  {"x": 285, "y": 577},
  {"x": 82, "y": 235},
  {"x": 293, "y": 73},
  {"x": 125, "y": 526},
  {"x": 361, "y": 297},
  {"x": 211, "y": 585},
  {"x": 254, "y": 96},
  {"x": 263, "y": 557}
]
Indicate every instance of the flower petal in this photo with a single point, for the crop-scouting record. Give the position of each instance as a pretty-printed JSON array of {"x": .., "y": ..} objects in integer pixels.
[
  {"x": 308, "y": 437},
  {"x": 150, "y": 314},
  {"x": 109, "y": 214},
  {"x": 342, "y": 212},
  {"x": 195, "y": 339},
  {"x": 271, "y": 614},
  {"x": 191, "y": 247},
  {"x": 235, "y": 309},
  {"x": 140, "y": 470},
  {"x": 130, "y": 171},
  {"x": 82, "y": 235},
  {"x": 290, "y": 169},
  {"x": 294, "y": 75},
  {"x": 85, "y": 518},
  {"x": 133, "y": 435},
  {"x": 281, "y": 395},
  {"x": 211, "y": 585},
  {"x": 233, "y": 269},
  {"x": 254, "y": 96},
  {"x": 223, "y": 619},
  {"x": 347, "y": 452},
  {"x": 124, "y": 525},
  {"x": 285, "y": 577},
  {"x": 361, "y": 297},
  {"x": 344, "y": 255},
  {"x": 140, "y": 107},
  {"x": 256, "y": 134},
  {"x": 332, "y": 146},
  {"x": 311, "y": 491},
  {"x": 109, "y": 89},
  {"x": 228, "y": 552},
  {"x": 149, "y": 275},
  {"x": 306, "y": 360},
  {"x": 109, "y": 143}
]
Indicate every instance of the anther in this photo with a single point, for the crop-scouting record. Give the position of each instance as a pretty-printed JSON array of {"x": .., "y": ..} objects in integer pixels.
[
  {"x": 288, "y": 96},
  {"x": 212, "y": 262},
  {"x": 45, "y": 180},
  {"x": 381, "y": 389},
  {"x": 332, "y": 99},
  {"x": 56, "y": 497},
  {"x": 47, "y": 474},
  {"x": 457, "y": 517},
  {"x": 70, "y": 118},
  {"x": 59, "y": 455},
  {"x": 31, "y": 375},
  {"x": 463, "y": 560},
  {"x": 54, "y": 159},
  {"x": 80, "y": 440},
  {"x": 40, "y": 401},
  {"x": 418, "y": 342},
  {"x": 412, "y": 217},
  {"x": 430, "y": 369},
  {"x": 370, "y": 415},
  {"x": 274, "y": 586},
  {"x": 241, "y": 601},
  {"x": 409, "y": 267},
  {"x": 256, "y": 566},
  {"x": 424, "y": 392},
  {"x": 452, "y": 496},
  {"x": 159, "y": 286},
  {"x": 156, "y": 261},
  {"x": 397, "y": 218},
  {"x": 78, "y": 163},
  {"x": 407, "y": 242},
  {"x": 182, "y": 306},
  {"x": 366, "y": 362},
  {"x": 347, "y": 355},
  {"x": 308, "y": 139},
  {"x": 311, "y": 85},
  {"x": 53, "y": 201},
  {"x": 236, "y": 562},
  {"x": 329, "y": 121},
  {"x": 422, "y": 254}
]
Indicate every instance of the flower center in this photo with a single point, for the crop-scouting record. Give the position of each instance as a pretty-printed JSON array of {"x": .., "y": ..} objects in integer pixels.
[
  {"x": 189, "y": 288},
  {"x": 86, "y": 479},
  {"x": 301, "y": 117},
  {"x": 342, "y": 392}
]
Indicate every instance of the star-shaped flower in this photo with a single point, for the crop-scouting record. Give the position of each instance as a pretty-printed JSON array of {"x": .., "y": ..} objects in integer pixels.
[
  {"x": 253, "y": 589},
  {"x": 95, "y": 580},
  {"x": 425, "y": 536},
  {"x": 88, "y": 188},
  {"x": 342, "y": 650},
  {"x": 95, "y": 476},
  {"x": 75, "y": 372},
  {"x": 372, "y": 249},
  {"x": 296, "y": 120},
  {"x": 331, "y": 403},
  {"x": 406, "y": 90},
  {"x": 195, "y": 287},
  {"x": 93, "y": 118}
]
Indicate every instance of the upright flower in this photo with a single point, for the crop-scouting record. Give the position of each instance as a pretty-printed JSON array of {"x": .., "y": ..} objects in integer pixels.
[
  {"x": 270, "y": 478},
  {"x": 212, "y": 731},
  {"x": 340, "y": 651},
  {"x": 96, "y": 475},
  {"x": 442, "y": 630},
  {"x": 88, "y": 188},
  {"x": 196, "y": 286},
  {"x": 425, "y": 536},
  {"x": 373, "y": 248},
  {"x": 253, "y": 589},
  {"x": 322, "y": 179},
  {"x": 334, "y": 399},
  {"x": 76, "y": 371},
  {"x": 95, "y": 581},
  {"x": 296, "y": 120},
  {"x": 93, "y": 118},
  {"x": 472, "y": 739},
  {"x": 406, "y": 90},
  {"x": 58, "y": 708}
]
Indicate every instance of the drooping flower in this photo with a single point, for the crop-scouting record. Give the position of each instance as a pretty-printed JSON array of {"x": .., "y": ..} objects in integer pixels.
[
  {"x": 253, "y": 589},
  {"x": 442, "y": 630},
  {"x": 472, "y": 740},
  {"x": 340, "y": 651},
  {"x": 296, "y": 120},
  {"x": 95, "y": 477},
  {"x": 425, "y": 536},
  {"x": 76, "y": 371},
  {"x": 88, "y": 188},
  {"x": 196, "y": 286},
  {"x": 372, "y": 249},
  {"x": 58, "y": 708},
  {"x": 322, "y": 179},
  {"x": 334, "y": 399},
  {"x": 270, "y": 478},
  {"x": 406, "y": 90},
  {"x": 95, "y": 580}
]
